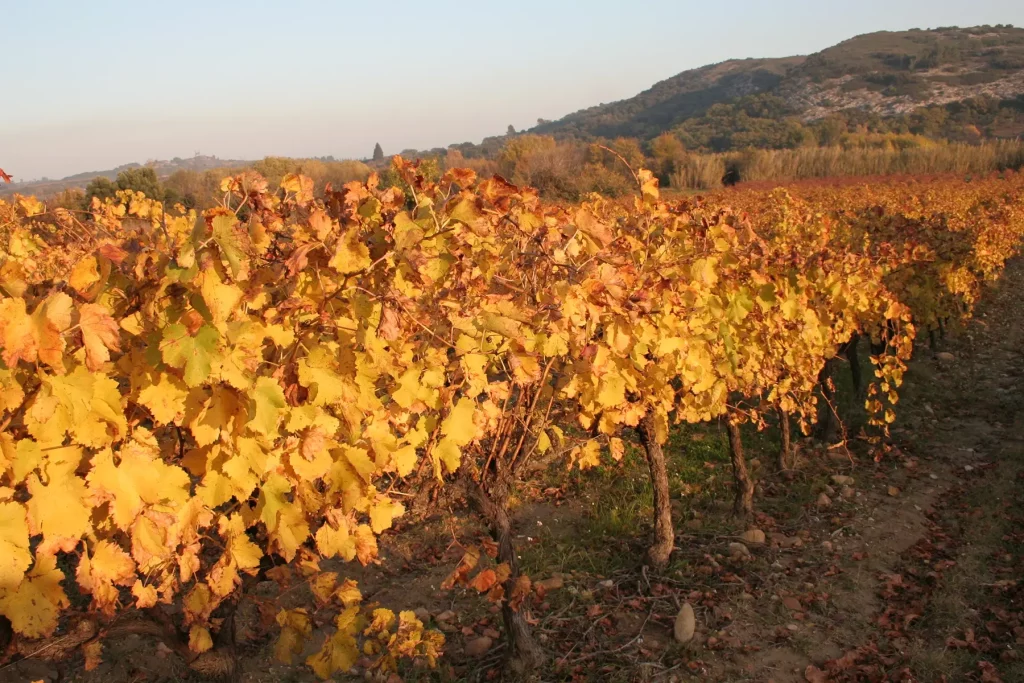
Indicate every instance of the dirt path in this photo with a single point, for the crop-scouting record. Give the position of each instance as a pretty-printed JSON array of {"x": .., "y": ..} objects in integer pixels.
[{"x": 925, "y": 561}]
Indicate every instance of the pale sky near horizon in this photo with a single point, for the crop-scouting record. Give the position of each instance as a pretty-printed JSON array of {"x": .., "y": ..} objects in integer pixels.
[{"x": 92, "y": 85}]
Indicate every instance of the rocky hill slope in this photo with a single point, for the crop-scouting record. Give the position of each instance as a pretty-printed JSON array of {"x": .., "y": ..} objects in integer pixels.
[{"x": 884, "y": 74}]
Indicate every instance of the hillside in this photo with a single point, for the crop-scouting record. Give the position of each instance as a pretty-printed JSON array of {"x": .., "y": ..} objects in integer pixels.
[
  {"x": 884, "y": 75},
  {"x": 163, "y": 168}
]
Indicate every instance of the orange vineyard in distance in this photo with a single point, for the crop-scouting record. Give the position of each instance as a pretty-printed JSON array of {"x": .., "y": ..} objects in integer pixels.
[{"x": 196, "y": 403}]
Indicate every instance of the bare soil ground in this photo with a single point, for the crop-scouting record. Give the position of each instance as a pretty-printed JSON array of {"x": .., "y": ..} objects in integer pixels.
[{"x": 908, "y": 571}]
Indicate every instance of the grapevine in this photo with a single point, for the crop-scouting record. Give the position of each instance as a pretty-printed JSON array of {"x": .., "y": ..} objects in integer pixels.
[{"x": 198, "y": 402}]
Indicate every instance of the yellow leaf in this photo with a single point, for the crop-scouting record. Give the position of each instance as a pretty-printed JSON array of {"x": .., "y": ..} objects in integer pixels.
[
  {"x": 165, "y": 399},
  {"x": 593, "y": 228},
  {"x": 100, "y": 334},
  {"x": 525, "y": 367},
  {"x": 111, "y": 563},
  {"x": 51, "y": 319},
  {"x": 339, "y": 651},
  {"x": 316, "y": 374},
  {"x": 134, "y": 483},
  {"x": 84, "y": 275},
  {"x": 243, "y": 552},
  {"x": 588, "y": 455},
  {"x": 408, "y": 388},
  {"x": 31, "y": 206},
  {"x": 555, "y": 345},
  {"x": 349, "y": 593},
  {"x": 366, "y": 544},
  {"x": 299, "y": 185},
  {"x": 145, "y": 596},
  {"x": 33, "y": 605},
  {"x": 11, "y": 392},
  {"x": 617, "y": 448},
  {"x": 448, "y": 452},
  {"x": 273, "y": 499},
  {"x": 648, "y": 185},
  {"x": 12, "y": 278},
  {"x": 383, "y": 513},
  {"x": 98, "y": 574},
  {"x": 613, "y": 390},
  {"x": 267, "y": 404},
  {"x": 310, "y": 470},
  {"x": 192, "y": 354},
  {"x": 57, "y": 509},
  {"x": 506, "y": 327},
  {"x": 381, "y": 621},
  {"x": 351, "y": 255},
  {"x": 407, "y": 233},
  {"x": 295, "y": 627},
  {"x": 25, "y": 457},
  {"x": 198, "y": 604},
  {"x": 405, "y": 459},
  {"x": 133, "y": 324},
  {"x": 360, "y": 462},
  {"x": 543, "y": 442},
  {"x": 16, "y": 334},
  {"x": 149, "y": 545},
  {"x": 39, "y": 336},
  {"x": 335, "y": 541},
  {"x": 105, "y": 423},
  {"x": 458, "y": 426},
  {"x": 14, "y": 548},
  {"x": 229, "y": 238},
  {"x": 210, "y": 418},
  {"x": 322, "y": 586},
  {"x": 199, "y": 639},
  {"x": 221, "y": 298},
  {"x": 216, "y": 489}
]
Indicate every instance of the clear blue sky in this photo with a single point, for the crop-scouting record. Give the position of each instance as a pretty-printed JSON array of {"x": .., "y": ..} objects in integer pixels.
[{"x": 91, "y": 85}]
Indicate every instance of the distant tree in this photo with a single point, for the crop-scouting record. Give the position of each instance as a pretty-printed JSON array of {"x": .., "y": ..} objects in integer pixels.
[
  {"x": 337, "y": 173},
  {"x": 101, "y": 187},
  {"x": 142, "y": 180},
  {"x": 314, "y": 169},
  {"x": 515, "y": 157},
  {"x": 627, "y": 148},
  {"x": 378, "y": 152},
  {"x": 830, "y": 130},
  {"x": 275, "y": 168},
  {"x": 70, "y": 199},
  {"x": 454, "y": 159},
  {"x": 511, "y": 130},
  {"x": 667, "y": 152},
  {"x": 185, "y": 186}
]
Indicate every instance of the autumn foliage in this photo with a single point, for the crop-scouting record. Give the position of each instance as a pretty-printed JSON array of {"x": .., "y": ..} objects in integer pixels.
[{"x": 194, "y": 403}]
